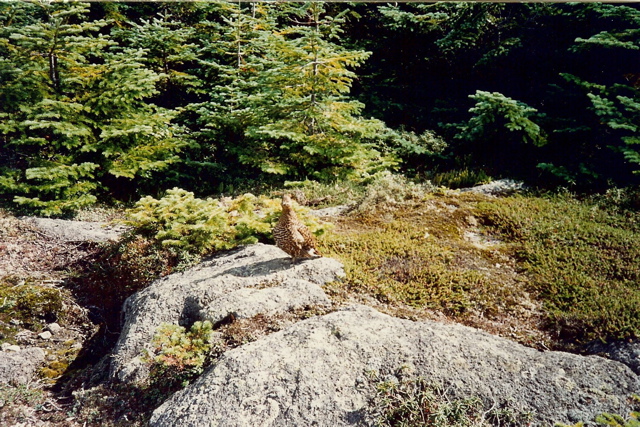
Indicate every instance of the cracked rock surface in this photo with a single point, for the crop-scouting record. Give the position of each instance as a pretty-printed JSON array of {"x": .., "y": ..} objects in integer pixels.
[
  {"x": 255, "y": 279},
  {"x": 316, "y": 373}
]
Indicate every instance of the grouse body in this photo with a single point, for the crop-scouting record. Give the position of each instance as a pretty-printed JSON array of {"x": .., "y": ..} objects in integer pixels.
[{"x": 291, "y": 235}]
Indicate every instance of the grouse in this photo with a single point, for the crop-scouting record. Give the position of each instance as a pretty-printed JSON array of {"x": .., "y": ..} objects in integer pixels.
[{"x": 291, "y": 235}]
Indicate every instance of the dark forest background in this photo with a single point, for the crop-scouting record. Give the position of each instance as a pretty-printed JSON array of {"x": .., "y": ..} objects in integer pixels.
[{"x": 107, "y": 102}]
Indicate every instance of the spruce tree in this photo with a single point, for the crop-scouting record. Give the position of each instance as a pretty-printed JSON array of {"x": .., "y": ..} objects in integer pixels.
[
  {"x": 615, "y": 99},
  {"x": 499, "y": 132},
  {"x": 76, "y": 123},
  {"x": 282, "y": 104},
  {"x": 169, "y": 50}
]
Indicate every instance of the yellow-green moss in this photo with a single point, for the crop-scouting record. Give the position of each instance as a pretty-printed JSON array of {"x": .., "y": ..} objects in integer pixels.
[
  {"x": 62, "y": 359},
  {"x": 54, "y": 370},
  {"x": 410, "y": 258},
  {"x": 30, "y": 304}
]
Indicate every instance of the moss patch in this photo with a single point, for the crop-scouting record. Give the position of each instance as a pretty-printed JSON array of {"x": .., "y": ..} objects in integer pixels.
[
  {"x": 30, "y": 304},
  {"x": 417, "y": 255},
  {"x": 582, "y": 259}
]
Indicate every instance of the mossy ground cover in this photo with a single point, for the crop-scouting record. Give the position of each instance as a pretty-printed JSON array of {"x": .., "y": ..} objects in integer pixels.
[
  {"x": 582, "y": 258},
  {"x": 554, "y": 270},
  {"x": 425, "y": 257},
  {"x": 29, "y": 304}
]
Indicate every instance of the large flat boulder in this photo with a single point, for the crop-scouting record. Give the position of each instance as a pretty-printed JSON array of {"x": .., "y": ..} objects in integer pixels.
[
  {"x": 255, "y": 279},
  {"x": 77, "y": 231},
  {"x": 317, "y": 372}
]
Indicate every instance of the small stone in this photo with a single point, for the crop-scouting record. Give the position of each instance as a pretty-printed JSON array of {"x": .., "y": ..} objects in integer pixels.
[
  {"x": 9, "y": 347},
  {"x": 54, "y": 328},
  {"x": 46, "y": 335}
]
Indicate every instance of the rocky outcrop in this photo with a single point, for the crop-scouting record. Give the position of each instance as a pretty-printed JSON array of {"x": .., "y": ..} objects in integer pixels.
[
  {"x": 19, "y": 366},
  {"x": 627, "y": 352},
  {"x": 255, "y": 279},
  {"x": 76, "y": 231},
  {"x": 317, "y": 372}
]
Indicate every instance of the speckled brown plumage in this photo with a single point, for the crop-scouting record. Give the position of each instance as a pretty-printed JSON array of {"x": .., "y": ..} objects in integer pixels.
[{"x": 291, "y": 235}]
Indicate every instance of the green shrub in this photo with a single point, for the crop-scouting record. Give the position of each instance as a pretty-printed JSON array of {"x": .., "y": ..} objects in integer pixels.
[
  {"x": 416, "y": 152},
  {"x": 496, "y": 115},
  {"x": 180, "y": 220},
  {"x": 178, "y": 356}
]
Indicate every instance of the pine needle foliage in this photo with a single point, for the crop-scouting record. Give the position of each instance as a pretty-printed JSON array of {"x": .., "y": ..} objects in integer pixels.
[
  {"x": 499, "y": 132},
  {"x": 617, "y": 107},
  {"x": 170, "y": 51},
  {"x": 178, "y": 355},
  {"x": 494, "y": 113},
  {"x": 200, "y": 226},
  {"x": 282, "y": 106},
  {"x": 74, "y": 113}
]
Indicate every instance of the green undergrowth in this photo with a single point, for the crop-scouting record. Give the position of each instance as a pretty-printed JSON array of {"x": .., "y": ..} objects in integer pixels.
[
  {"x": 407, "y": 253},
  {"x": 30, "y": 305},
  {"x": 575, "y": 258},
  {"x": 398, "y": 264},
  {"x": 178, "y": 355},
  {"x": 582, "y": 258}
]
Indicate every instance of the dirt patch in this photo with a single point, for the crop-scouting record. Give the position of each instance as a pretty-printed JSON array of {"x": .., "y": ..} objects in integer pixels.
[
  {"x": 27, "y": 251},
  {"x": 37, "y": 310}
]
